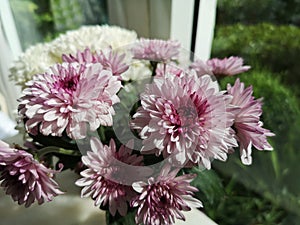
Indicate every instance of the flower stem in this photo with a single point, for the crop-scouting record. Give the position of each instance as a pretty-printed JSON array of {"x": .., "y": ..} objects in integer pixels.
[
  {"x": 53, "y": 149},
  {"x": 154, "y": 66}
]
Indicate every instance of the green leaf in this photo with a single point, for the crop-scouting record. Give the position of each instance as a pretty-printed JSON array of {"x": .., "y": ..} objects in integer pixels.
[
  {"x": 209, "y": 184},
  {"x": 121, "y": 220}
]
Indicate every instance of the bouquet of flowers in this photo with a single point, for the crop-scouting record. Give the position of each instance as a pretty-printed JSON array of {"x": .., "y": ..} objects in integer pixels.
[{"x": 129, "y": 115}]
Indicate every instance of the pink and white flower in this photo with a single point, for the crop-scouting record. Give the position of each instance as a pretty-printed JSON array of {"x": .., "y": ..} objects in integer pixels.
[
  {"x": 156, "y": 50},
  {"x": 186, "y": 116},
  {"x": 168, "y": 68},
  {"x": 109, "y": 60},
  {"x": 201, "y": 68},
  {"x": 220, "y": 67},
  {"x": 103, "y": 179},
  {"x": 247, "y": 124},
  {"x": 69, "y": 97},
  {"x": 24, "y": 178},
  {"x": 227, "y": 66},
  {"x": 163, "y": 199}
]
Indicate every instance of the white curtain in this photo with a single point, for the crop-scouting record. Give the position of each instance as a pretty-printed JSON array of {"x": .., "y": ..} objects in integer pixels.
[
  {"x": 167, "y": 19},
  {"x": 149, "y": 18},
  {"x": 10, "y": 49}
]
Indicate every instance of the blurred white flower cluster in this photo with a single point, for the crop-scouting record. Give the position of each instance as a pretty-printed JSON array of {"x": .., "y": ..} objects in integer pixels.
[{"x": 37, "y": 58}]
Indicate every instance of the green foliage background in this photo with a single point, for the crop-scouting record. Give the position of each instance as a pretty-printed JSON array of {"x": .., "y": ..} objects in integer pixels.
[
  {"x": 42, "y": 20},
  {"x": 266, "y": 35},
  {"x": 257, "y": 11},
  {"x": 274, "y": 47}
]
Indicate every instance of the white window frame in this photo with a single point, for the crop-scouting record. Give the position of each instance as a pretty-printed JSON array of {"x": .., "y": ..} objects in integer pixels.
[{"x": 182, "y": 18}]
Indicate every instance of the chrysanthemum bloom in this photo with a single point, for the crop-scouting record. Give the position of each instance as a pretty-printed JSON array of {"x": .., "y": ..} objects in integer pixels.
[
  {"x": 163, "y": 199},
  {"x": 227, "y": 66},
  {"x": 201, "y": 68},
  {"x": 109, "y": 60},
  {"x": 117, "y": 38},
  {"x": 100, "y": 38},
  {"x": 138, "y": 70},
  {"x": 71, "y": 98},
  {"x": 36, "y": 59},
  {"x": 191, "y": 119},
  {"x": 24, "y": 178},
  {"x": 94, "y": 37},
  {"x": 156, "y": 50},
  {"x": 81, "y": 57},
  {"x": 169, "y": 68},
  {"x": 247, "y": 124},
  {"x": 103, "y": 179}
]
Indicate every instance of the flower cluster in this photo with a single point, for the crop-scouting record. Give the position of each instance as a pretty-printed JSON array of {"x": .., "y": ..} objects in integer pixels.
[
  {"x": 177, "y": 118},
  {"x": 24, "y": 178}
]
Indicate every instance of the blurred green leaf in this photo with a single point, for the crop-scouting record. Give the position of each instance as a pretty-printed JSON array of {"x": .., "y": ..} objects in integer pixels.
[
  {"x": 256, "y": 11},
  {"x": 271, "y": 177},
  {"x": 119, "y": 220},
  {"x": 209, "y": 185},
  {"x": 273, "y": 47}
]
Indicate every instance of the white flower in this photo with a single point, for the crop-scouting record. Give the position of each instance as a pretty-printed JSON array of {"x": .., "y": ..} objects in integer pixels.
[
  {"x": 36, "y": 59},
  {"x": 94, "y": 37},
  {"x": 138, "y": 70}
]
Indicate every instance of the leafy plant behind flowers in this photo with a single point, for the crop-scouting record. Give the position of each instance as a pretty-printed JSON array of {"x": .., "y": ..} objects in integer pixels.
[
  {"x": 262, "y": 44},
  {"x": 137, "y": 120},
  {"x": 272, "y": 175}
]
